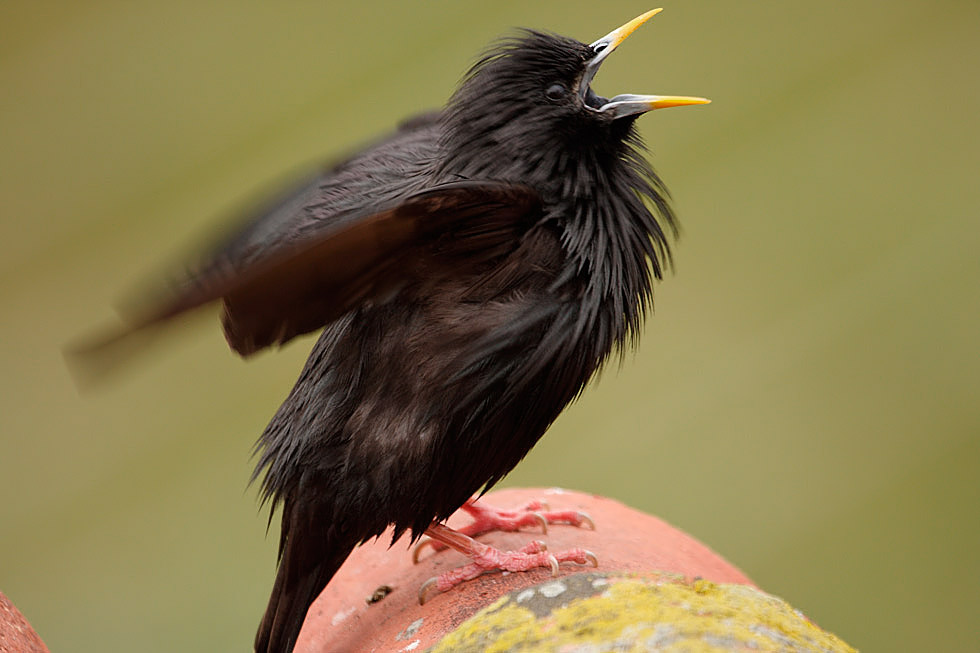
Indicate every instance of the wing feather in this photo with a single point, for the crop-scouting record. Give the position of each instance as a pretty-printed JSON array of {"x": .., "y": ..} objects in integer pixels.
[{"x": 305, "y": 284}]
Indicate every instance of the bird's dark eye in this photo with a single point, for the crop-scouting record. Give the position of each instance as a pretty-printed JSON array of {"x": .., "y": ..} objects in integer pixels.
[
  {"x": 599, "y": 48},
  {"x": 555, "y": 92}
]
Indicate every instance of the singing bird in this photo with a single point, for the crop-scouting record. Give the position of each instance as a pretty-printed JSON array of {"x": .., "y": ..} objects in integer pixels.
[{"x": 471, "y": 272}]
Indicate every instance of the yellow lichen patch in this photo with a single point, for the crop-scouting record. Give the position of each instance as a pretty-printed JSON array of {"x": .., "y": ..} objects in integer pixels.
[{"x": 651, "y": 615}]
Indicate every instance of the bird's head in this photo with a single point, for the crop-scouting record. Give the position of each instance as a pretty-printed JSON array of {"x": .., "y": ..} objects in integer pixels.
[{"x": 531, "y": 94}]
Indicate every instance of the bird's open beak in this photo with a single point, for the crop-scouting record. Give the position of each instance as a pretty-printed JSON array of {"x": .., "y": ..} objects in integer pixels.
[{"x": 628, "y": 104}]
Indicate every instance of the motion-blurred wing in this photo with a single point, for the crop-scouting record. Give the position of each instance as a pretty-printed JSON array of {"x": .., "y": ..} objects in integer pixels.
[
  {"x": 332, "y": 194},
  {"x": 315, "y": 283},
  {"x": 311, "y": 282}
]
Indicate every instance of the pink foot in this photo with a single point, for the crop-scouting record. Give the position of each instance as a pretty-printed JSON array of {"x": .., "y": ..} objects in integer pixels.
[
  {"x": 487, "y": 558},
  {"x": 487, "y": 518}
]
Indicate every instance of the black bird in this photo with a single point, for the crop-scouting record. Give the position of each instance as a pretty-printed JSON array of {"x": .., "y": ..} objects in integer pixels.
[{"x": 471, "y": 273}]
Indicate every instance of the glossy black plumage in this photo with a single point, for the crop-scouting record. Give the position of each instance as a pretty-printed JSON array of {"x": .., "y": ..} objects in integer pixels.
[{"x": 472, "y": 272}]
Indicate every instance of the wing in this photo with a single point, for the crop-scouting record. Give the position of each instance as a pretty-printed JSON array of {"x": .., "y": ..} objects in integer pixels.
[
  {"x": 309, "y": 282},
  {"x": 347, "y": 187},
  {"x": 313, "y": 283}
]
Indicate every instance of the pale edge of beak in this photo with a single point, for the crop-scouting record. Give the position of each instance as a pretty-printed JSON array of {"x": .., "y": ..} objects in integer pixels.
[{"x": 627, "y": 105}]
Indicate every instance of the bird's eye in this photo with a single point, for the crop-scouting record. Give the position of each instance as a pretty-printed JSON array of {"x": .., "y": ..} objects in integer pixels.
[
  {"x": 555, "y": 92},
  {"x": 599, "y": 48}
]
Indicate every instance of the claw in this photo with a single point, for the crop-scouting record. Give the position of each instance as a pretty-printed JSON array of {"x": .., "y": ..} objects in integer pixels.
[
  {"x": 591, "y": 557},
  {"x": 417, "y": 549},
  {"x": 585, "y": 519},
  {"x": 542, "y": 521},
  {"x": 424, "y": 589},
  {"x": 553, "y": 561}
]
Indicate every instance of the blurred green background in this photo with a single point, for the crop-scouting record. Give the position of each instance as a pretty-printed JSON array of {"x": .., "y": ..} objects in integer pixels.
[{"x": 805, "y": 399}]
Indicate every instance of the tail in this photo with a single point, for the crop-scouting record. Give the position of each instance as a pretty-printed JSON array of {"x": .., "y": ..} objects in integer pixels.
[{"x": 308, "y": 559}]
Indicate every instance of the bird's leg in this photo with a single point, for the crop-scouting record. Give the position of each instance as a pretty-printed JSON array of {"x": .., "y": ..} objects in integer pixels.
[
  {"x": 487, "y": 558},
  {"x": 487, "y": 518}
]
